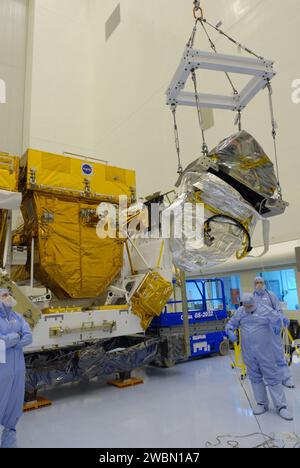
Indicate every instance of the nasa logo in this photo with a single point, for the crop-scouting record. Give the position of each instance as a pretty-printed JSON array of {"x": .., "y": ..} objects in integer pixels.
[{"x": 87, "y": 169}]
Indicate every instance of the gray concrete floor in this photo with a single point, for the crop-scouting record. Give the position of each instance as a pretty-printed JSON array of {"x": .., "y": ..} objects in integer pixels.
[{"x": 185, "y": 407}]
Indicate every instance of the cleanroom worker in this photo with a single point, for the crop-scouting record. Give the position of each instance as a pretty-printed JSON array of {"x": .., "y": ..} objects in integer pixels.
[
  {"x": 257, "y": 323},
  {"x": 15, "y": 334},
  {"x": 262, "y": 295}
]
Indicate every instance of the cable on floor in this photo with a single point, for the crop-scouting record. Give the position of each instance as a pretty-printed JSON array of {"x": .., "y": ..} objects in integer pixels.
[
  {"x": 251, "y": 406},
  {"x": 270, "y": 441}
]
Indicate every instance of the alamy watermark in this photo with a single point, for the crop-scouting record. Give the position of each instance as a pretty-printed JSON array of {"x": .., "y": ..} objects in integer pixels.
[
  {"x": 2, "y": 92},
  {"x": 182, "y": 220}
]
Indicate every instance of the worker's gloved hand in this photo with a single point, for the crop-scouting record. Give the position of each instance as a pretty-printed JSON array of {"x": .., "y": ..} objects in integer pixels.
[
  {"x": 277, "y": 330},
  {"x": 285, "y": 322},
  {"x": 12, "y": 339},
  {"x": 232, "y": 336}
]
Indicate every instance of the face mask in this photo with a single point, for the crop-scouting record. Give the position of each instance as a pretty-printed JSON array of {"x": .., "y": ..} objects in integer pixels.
[{"x": 10, "y": 302}]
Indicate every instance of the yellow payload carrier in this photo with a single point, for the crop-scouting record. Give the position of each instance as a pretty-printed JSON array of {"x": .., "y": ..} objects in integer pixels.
[
  {"x": 9, "y": 196},
  {"x": 59, "y": 208},
  {"x": 73, "y": 286},
  {"x": 9, "y": 172}
]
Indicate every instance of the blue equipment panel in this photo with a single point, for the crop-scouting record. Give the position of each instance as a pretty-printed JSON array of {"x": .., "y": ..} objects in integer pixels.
[
  {"x": 204, "y": 345},
  {"x": 202, "y": 311},
  {"x": 167, "y": 319}
]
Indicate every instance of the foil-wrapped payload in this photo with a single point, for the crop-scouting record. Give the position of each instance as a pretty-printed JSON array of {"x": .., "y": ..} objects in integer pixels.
[
  {"x": 242, "y": 157},
  {"x": 229, "y": 219}
]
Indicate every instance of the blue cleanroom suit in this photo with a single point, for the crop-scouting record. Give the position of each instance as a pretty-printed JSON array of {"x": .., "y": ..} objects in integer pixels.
[
  {"x": 256, "y": 325},
  {"x": 263, "y": 296},
  {"x": 16, "y": 334}
]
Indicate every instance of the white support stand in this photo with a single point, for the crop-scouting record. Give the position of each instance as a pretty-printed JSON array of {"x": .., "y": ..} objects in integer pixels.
[
  {"x": 259, "y": 70},
  {"x": 9, "y": 201},
  {"x": 32, "y": 264},
  {"x": 7, "y": 256},
  {"x": 297, "y": 273}
]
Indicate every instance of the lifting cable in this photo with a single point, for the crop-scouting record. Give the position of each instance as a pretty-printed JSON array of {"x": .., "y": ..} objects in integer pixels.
[
  {"x": 274, "y": 135},
  {"x": 200, "y": 116},
  {"x": 200, "y": 19},
  {"x": 177, "y": 143},
  {"x": 231, "y": 39},
  {"x": 213, "y": 46}
]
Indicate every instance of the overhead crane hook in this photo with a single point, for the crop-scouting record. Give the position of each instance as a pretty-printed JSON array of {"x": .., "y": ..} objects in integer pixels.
[{"x": 198, "y": 11}]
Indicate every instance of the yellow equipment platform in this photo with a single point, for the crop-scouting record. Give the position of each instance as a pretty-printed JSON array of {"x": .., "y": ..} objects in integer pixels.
[{"x": 37, "y": 404}]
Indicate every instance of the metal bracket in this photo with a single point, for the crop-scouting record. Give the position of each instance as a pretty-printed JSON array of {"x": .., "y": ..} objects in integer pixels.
[
  {"x": 40, "y": 299},
  {"x": 207, "y": 163},
  {"x": 32, "y": 179},
  {"x": 87, "y": 327},
  {"x": 260, "y": 70},
  {"x": 276, "y": 207}
]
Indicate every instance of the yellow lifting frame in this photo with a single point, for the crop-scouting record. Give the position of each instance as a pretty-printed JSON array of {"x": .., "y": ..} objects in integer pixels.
[
  {"x": 238, "y": 362},
  {"x": 293, "y": 344}
]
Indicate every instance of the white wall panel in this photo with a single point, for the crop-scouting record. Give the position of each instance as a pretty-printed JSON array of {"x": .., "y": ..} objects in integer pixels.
[
  {"x": 60, "y": 110},
  {"x": 13, "y": 31}
]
